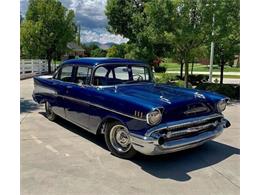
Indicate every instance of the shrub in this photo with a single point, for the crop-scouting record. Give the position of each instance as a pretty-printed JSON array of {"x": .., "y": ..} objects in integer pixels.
[
  {"x": 230, "y": 90},
  {"x": 180, "y": 83},
  {"x": 159, "y": 69},
  {"x": 165, "y": 78},
  {"x": 171, "y": 79},
  {"x": 197, "y": 79}
]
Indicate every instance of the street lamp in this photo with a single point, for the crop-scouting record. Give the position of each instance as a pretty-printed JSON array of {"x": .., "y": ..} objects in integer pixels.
[
  {"x": 211, "y": 47},
  {"x": 211, "y": 51}
]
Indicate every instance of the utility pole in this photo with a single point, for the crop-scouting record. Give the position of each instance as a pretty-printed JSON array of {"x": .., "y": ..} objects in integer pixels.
[
  {"x": 78, "y": 39},
  {"x": 211, "y": 51}
]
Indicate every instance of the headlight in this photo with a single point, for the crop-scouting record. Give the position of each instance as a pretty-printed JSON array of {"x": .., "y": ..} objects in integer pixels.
[
  {"x": 221, "y": 106},
  {"x": 154, "y": 117}
]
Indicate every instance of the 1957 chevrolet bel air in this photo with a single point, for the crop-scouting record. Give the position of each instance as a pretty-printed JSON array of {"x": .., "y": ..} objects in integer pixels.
[{"x": 118, "y": 98}]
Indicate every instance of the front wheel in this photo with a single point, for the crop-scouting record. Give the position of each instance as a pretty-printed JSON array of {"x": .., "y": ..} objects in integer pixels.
[
  {"x": 118, "y": 140},
  {"x": 49, "y": 112}
]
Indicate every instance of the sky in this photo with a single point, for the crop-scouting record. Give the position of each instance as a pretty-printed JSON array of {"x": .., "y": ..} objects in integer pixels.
[{"x": 91, "y": 16}]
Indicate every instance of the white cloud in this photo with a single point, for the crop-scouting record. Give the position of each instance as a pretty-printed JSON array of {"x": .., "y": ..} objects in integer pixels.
[
  {"x": 90, "y": 14},
  {"x": 104, "y": 37}
]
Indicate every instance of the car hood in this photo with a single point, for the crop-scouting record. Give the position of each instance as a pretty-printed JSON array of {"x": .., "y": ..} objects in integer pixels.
[
  {"x": 159, "y": 94},
  {"x": 176, "y": 102}
]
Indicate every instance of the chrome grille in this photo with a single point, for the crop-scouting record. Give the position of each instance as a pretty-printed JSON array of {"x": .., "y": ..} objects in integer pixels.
[{"x": 184, "y": 129}]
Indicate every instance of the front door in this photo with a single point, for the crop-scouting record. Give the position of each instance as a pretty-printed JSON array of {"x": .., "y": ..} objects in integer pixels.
[{"x": 77, "y": 95}]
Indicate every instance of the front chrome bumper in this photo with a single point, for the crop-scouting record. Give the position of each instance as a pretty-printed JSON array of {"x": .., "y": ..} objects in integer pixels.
[{"x": 151, "y": 145}]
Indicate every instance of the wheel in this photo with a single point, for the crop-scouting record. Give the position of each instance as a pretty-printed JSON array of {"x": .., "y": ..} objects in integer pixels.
[
  {"x": 49, "y": 112},
  {"x": 118, "y": 140}
]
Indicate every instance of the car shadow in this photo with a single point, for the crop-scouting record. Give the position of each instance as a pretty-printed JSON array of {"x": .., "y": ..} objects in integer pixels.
[
  {"x": 177, "y": 165},
  {"x": 174, "y": 166},
  {"x": 99, "y": 140},
  {"x": 28, "y": 106}
]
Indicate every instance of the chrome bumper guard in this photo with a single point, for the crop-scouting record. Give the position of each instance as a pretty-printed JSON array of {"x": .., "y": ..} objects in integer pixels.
[{"x": 154, "y": 143}]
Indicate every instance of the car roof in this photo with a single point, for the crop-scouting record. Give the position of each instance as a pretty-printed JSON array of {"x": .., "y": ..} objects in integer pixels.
[{"x": 97, "y": 61}]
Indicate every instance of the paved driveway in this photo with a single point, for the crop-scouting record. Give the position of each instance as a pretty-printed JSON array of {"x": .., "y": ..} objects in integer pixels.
[{"x": 60, "y": 158}]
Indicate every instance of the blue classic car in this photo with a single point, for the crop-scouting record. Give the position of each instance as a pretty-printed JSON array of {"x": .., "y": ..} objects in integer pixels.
[{"x": 119, "y": 98}]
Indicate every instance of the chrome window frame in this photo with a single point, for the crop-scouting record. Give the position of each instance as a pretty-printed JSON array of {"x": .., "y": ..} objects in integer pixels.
[{"x": 126, "y": 64}]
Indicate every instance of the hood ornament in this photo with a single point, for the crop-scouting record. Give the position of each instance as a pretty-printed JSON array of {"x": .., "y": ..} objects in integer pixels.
[
  {"x": 165, "y": 100},
  {"x": 199, "y": 95}
]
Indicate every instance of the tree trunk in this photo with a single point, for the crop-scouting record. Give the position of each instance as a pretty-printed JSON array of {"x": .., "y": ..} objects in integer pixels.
[
  {"x": 192, "y": 65},
  {"x": 222, "y": 63},
  {"x": 238, "y": 61},
  {"x": 49, "y": 65},
  {"x": 186, "y": 73},
  {"x": 181, "y": 71}
]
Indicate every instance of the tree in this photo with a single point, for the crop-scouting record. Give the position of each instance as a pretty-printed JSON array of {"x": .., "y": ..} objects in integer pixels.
[
  {"x": 226, "y": 33},
  {"x": 190, "y": 30},
  {"x": 159, "y": 28},
  {"x": 46, "y": 30},
  {"x": 98, "y": 52},
  {"x": 89, "y": 48},
  {"x": 117, "y": 51},
  {"x": 129, "y": 19}
]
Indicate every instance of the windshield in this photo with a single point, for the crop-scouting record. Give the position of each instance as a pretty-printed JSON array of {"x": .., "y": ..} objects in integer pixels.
[{"x": 121, "y": 74}]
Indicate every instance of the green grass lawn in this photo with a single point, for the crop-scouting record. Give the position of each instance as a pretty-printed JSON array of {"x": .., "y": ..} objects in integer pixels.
[
  {"x": 199, "y": 67},
  {"x": 214, "y": 76}
]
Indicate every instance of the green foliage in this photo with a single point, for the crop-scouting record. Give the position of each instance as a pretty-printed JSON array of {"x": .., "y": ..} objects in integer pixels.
[
  {"x": 159, "y": 69},
  {"x": 46, "y": 30},
  {"x": 230, "y": 90},
  {"x": 93, "y": 50},
  {"x": 169, "y": 78},
  {"x": 117, "y": 51},
  {"x": 130, "y": 19},
  {"x": 181, "y": 83},
  {"x": 98, "y": 52},
  {"x": 165, "y": 77},
  {"x": 180, "y": 29},
  {"x": 89, "y": 48},
  {"x": 226, "y": 32}
]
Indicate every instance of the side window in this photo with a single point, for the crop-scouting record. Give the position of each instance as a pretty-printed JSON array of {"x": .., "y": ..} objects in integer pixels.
[
  {"x": 140, "y": 73},
  {"x": 66, "y": 74},
  {"x": 83, "y": 75},
  {"x": 121, "y": 73}
]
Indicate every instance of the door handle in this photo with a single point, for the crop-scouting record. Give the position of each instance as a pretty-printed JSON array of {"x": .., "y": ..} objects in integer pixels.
[{"x": 68, "y": 87}]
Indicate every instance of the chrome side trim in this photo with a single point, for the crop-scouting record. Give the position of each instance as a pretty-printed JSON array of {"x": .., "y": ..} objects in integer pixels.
[
  {"x": 99, "y": 106},
  {"x": 180, "y": 123},
  {"x": 38, "y": 89},
  {"x": 44, "y": 90}
]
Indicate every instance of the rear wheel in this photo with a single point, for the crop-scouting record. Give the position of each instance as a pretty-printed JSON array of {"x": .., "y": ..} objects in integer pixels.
[
  {"x": 49, "y": 112},
  {"x": 118, "y": 140}
]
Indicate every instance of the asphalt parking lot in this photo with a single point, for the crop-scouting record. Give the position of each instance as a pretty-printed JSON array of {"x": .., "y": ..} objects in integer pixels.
[{"x": 60, "y": 158}]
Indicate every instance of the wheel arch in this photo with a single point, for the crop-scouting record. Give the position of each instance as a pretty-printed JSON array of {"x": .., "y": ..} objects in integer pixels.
[{"x": 108, "y": 119}]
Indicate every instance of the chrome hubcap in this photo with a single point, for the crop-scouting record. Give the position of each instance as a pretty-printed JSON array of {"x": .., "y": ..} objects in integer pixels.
[{"x": 119, "y": 138}]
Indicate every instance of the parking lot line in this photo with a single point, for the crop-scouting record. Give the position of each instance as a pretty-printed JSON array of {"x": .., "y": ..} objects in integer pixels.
[
  {"x": 49, "y": 147},
  {"x": 36, "y": 139}
]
